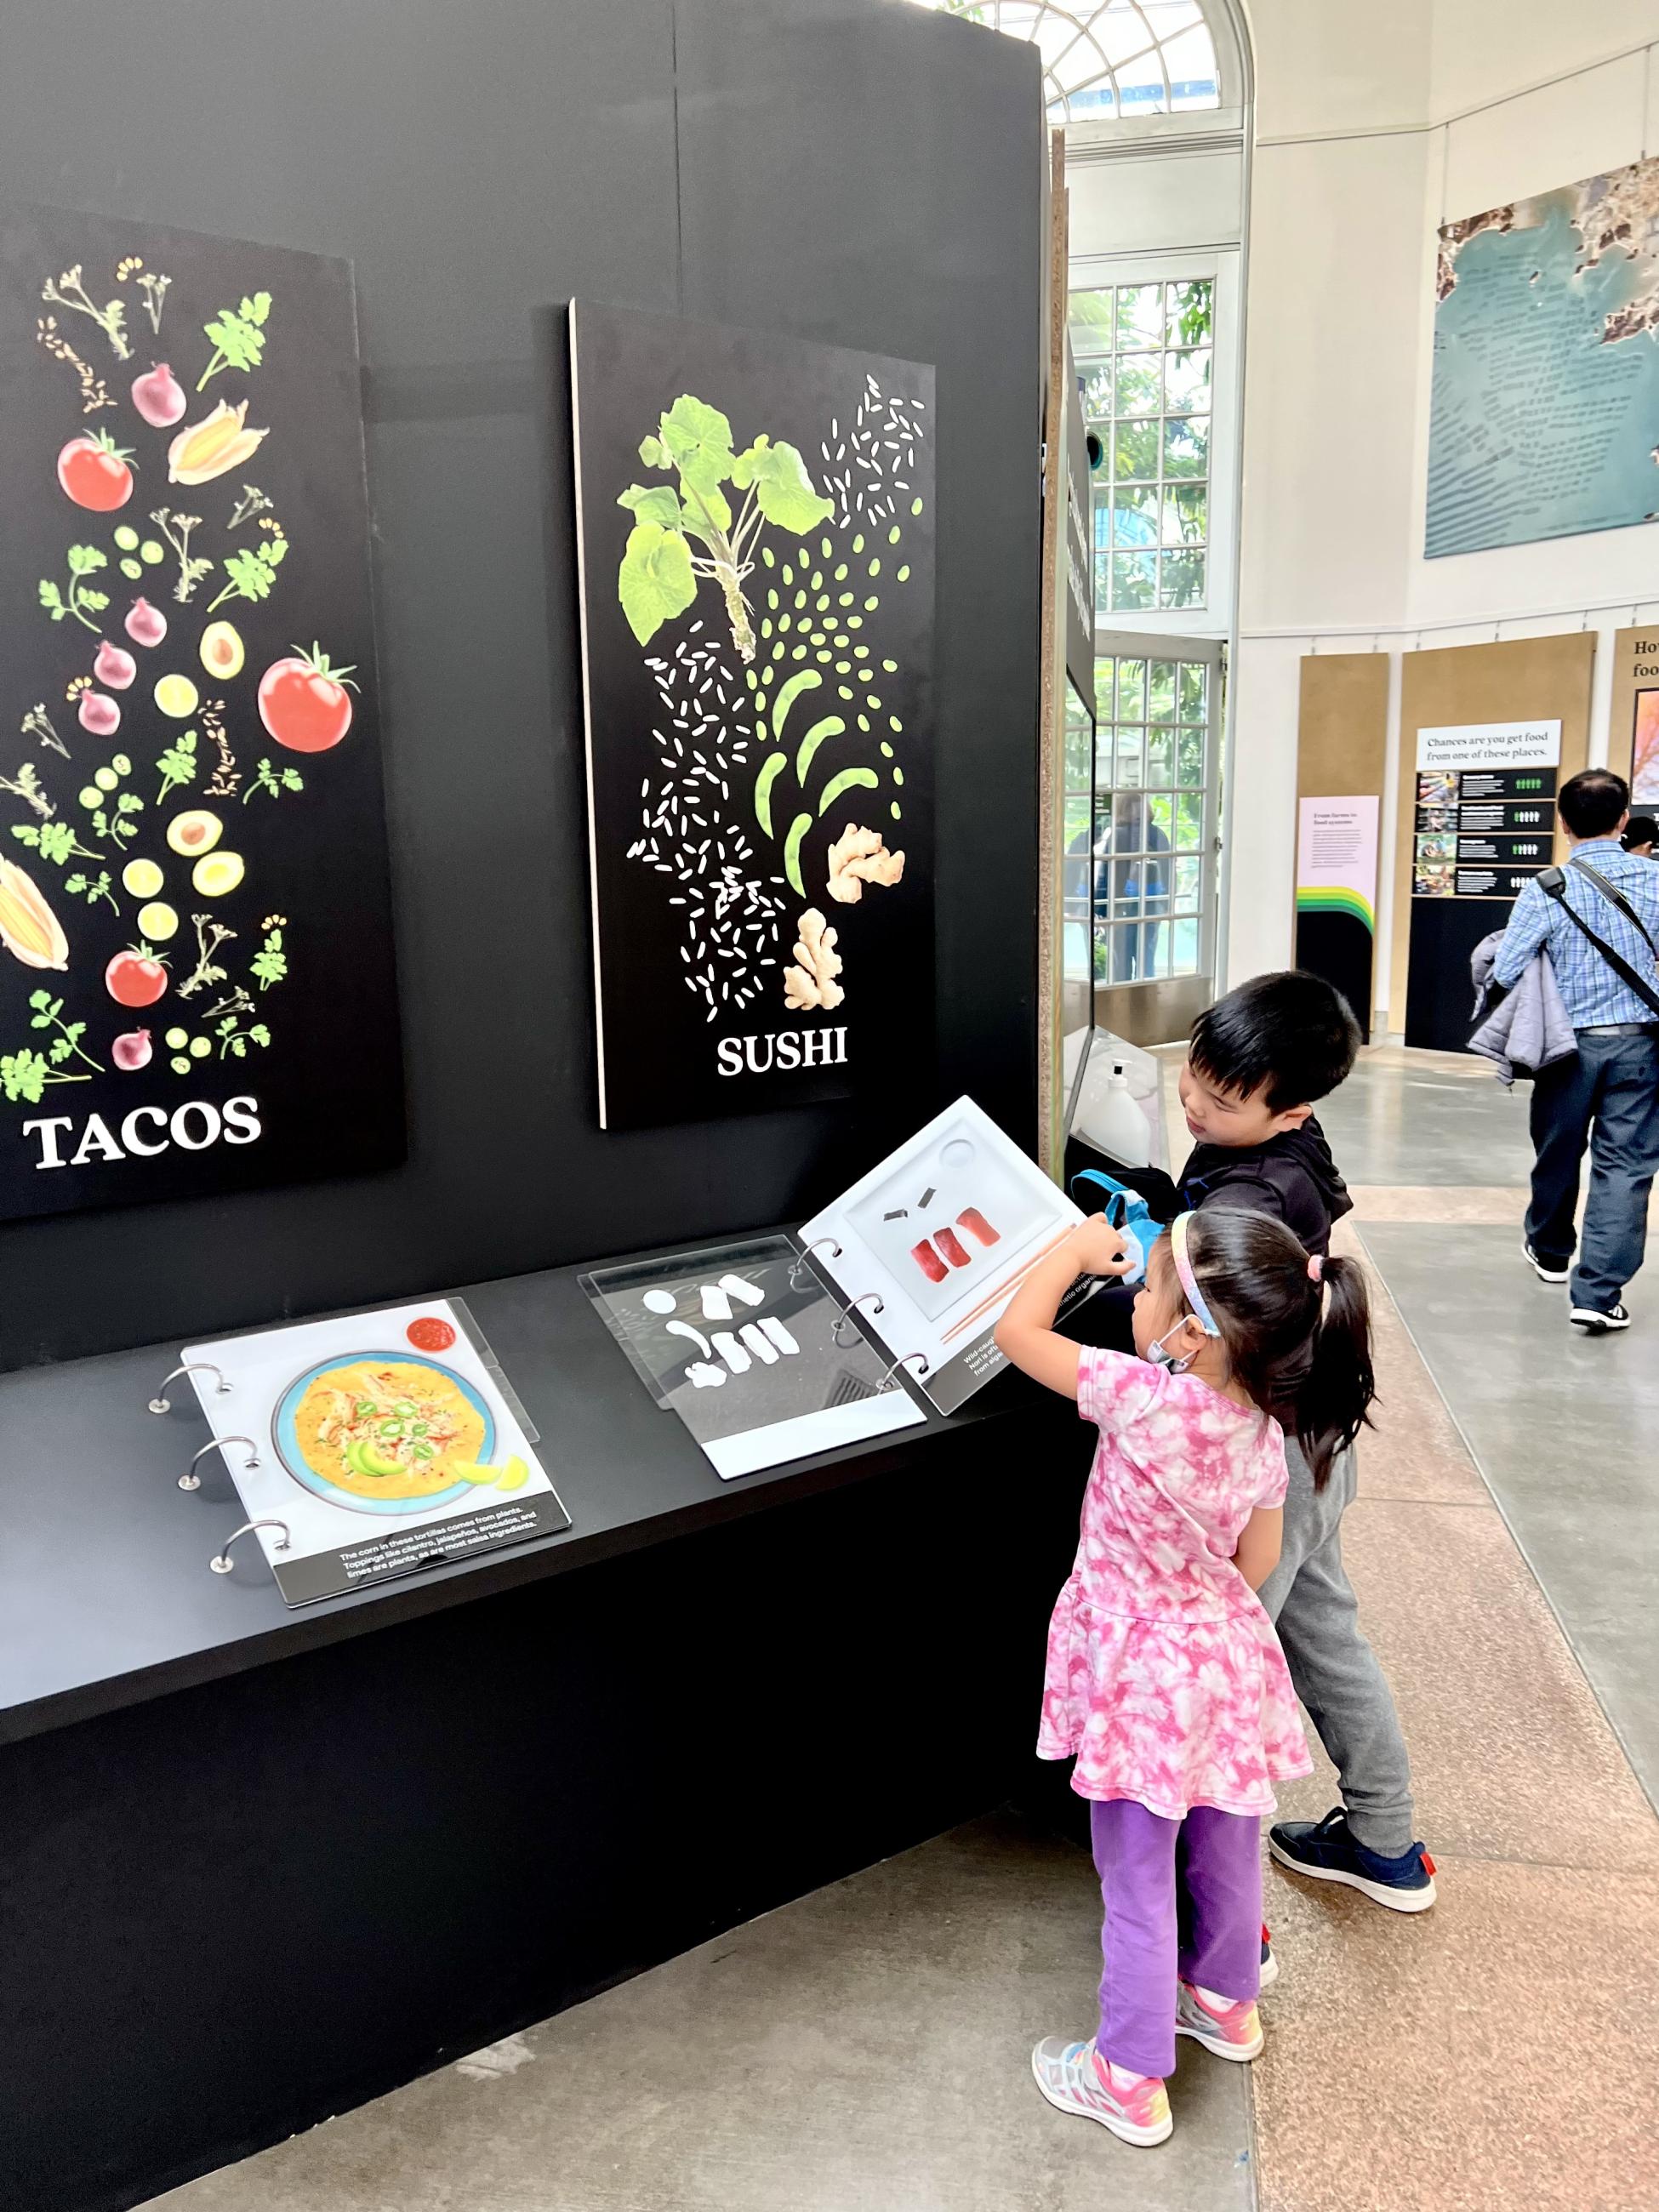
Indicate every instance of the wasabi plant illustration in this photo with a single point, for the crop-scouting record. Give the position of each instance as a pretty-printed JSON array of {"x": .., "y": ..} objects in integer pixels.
[{"x": 660, "y": 574}]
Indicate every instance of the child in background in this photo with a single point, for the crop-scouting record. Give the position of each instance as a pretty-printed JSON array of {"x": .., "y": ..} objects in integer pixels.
[{"x": 1164, "y": 1680}]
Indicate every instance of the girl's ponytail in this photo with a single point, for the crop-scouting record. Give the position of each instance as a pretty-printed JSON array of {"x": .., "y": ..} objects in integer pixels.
[
  {"x": 1298, "y": 1332},
  {"x": 1333, "y": 1402}
]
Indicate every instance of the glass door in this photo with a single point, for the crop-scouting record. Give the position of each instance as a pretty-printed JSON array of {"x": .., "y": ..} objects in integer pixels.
[{"x": 1155, "y": 810}]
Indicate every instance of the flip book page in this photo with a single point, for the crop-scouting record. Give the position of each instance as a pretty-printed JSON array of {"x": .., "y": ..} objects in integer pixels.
[
  {"x": 747, "y": 1347},
  {"x": 934, "y": 1242},
  {"x": 382, "y": 1443}
]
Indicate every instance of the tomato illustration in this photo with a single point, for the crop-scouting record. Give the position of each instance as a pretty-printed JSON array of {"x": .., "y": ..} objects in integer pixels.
[
  {"x": 429, "y": 1333},
  {"x": 135, "y": 977},
  {"x": 303, "y": 703},
  {"x": 94, "y": 472}
]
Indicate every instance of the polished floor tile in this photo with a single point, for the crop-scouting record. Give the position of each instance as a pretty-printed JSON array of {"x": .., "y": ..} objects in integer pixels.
[
  {"x": 1494, "y": 1203},
  {"x": 1563, "y": 1430},
  {"x": 1486, "y": 2056},
  {"x": 1427, "y": 1118},
  {"x": 865, "y": 2049},
  {"x": 1512, "y": 1757}
]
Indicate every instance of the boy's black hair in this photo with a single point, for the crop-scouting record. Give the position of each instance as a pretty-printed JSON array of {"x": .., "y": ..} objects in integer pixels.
[
  {"x": 1290, "y": 1030},
  {"x": 1593, "y": 801},
  {"x": 1641, "y": 829}
]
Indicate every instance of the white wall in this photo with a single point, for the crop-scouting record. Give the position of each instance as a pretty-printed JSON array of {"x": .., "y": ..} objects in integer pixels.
[{"x": 1363, "y": 146}]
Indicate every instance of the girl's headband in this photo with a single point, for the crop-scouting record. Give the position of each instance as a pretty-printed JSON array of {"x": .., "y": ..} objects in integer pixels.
[{"x": 1194, "y": 1296}]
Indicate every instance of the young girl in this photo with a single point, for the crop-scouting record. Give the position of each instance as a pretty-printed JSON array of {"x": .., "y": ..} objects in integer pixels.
[{"x": 1165, "y": 1681}]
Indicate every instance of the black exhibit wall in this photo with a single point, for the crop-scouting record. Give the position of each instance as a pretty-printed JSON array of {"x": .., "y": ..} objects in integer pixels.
[{"x": 862, "y": 172}]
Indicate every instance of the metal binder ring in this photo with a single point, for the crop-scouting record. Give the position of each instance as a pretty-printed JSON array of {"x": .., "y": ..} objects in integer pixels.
[
  {"x": 160, "y": 1403},
  {"x": 221, "y": 1563},
  {"x": 191, "y": 1480},
  {"x": 902, "y": 1362},
  {"x": 800, "y": 1259},
  {"x": 847, "y": 1312}
]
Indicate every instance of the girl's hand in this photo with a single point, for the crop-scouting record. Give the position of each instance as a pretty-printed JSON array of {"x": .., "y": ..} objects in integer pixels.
[{"x": 1097, "y": 1248}]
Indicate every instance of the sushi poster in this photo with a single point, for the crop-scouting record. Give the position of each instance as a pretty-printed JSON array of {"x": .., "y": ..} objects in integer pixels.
[
  {"x": 755, "y": 519},
  {"x": 197, "y": 987},
  {"x": 747, "y": 1347},
  {"x": 934, "y": 1242},
  {"x": 374, "y": 1445}
]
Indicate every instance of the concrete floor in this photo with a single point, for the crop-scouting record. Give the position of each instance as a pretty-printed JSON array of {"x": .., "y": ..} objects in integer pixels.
[{"x": 865, "y": 2049}]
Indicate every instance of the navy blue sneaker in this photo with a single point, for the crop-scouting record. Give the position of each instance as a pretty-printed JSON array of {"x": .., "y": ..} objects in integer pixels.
[{"x": 1325, "y": 1852}]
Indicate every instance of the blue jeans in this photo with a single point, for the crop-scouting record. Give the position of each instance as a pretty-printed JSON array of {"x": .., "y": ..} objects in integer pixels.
[{"x": 1607, "y": 1096}]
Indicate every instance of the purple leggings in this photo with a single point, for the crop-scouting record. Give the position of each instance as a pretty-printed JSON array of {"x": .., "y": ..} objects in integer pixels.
[{"x": 1181, "y": 1896}]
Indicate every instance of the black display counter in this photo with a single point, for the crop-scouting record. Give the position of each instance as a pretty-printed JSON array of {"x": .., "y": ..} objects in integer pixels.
[{"x": 257, "y": 1865}]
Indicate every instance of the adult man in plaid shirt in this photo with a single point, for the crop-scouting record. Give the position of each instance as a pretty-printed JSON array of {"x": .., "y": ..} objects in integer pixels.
[{"x": 1608, "y": 1093}]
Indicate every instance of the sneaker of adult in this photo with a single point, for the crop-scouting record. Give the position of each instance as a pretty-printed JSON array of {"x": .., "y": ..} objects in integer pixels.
[
  {"x": 1595, "y": 1322},
  {"x": 1230, "y": 2027},
  {"x": 1548, "y": 1271},
  {"x": 1075, "y": 2080},
  {"x": 1325, "y": 1852}
]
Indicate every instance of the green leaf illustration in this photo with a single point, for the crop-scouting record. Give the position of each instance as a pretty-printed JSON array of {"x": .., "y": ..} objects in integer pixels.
[
  {"x": 697, "y": 439},
  {"x": 656, "y": 503},
  {"x": 783, "y": 491},
  {"x": 655, "y": 581}
]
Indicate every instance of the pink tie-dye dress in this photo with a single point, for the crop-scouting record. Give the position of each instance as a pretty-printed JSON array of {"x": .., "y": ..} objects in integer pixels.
[{"x": 1165, "y": 1681}]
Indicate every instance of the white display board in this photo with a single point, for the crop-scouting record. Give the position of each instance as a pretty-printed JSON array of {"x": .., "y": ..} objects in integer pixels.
[
  {"x": 1450, "y": 745},
  {"x": 930, "y": 1246},
  {"x": 373, "y": 1445}
]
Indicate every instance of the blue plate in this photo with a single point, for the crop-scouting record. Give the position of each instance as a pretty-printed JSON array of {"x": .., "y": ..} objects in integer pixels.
[{"x": 286, "y": 1439}]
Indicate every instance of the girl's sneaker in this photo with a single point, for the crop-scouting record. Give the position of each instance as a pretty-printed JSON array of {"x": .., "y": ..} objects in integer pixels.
[
  {"x": 1075, "y": 2079},
  {"x": 1269, "y": 1963},
  {"x": 1231, "y": 2027}
]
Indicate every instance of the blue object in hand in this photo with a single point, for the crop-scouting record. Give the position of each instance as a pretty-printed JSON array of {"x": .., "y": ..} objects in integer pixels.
[{"x": 1127, "y": 1211}]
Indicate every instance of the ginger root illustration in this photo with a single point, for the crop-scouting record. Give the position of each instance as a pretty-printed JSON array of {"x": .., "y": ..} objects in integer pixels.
[{"x": 811, "y": 981}]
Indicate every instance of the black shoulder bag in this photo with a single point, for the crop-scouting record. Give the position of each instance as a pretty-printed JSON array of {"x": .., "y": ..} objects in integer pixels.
[{"x": 1553, "y": 882}]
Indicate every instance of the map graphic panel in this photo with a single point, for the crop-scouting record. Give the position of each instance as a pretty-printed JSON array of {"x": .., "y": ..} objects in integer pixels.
[{"x": 1545, "y": 417}]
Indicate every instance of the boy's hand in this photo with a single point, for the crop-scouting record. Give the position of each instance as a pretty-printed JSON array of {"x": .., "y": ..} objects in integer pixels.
[{"x": 1098, "y": 1248}]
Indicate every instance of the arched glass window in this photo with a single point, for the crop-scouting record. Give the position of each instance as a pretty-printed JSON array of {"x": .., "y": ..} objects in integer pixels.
[{"x": 1109, "y": 60}]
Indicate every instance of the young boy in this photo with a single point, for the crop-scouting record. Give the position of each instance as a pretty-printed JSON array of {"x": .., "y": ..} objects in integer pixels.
[{"x": 1256, "y": 1063}]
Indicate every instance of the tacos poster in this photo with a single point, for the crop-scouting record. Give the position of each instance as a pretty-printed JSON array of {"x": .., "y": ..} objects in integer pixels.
[{"x": 197, "y": 988}]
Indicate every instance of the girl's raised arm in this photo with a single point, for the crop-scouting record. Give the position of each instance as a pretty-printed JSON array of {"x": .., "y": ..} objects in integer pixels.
[{"x": 1026, "y": 1334}]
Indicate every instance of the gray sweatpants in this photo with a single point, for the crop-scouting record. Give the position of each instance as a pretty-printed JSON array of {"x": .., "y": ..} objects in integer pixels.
[{"x": 1333, "y": 1670}]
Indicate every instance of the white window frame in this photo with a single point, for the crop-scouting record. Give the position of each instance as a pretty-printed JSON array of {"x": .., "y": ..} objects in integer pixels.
[{"x": 1221, "y": 265}]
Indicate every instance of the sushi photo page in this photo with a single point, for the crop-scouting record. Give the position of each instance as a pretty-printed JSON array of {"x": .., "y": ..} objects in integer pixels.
[
  {"x": 373, "y": 1445},
  {"x": 931, "y": 1244},
  {"x": 744, "y": 1343}
]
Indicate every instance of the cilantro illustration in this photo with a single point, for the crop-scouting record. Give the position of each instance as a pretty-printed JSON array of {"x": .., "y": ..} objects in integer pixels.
[
  {"x": 252, "y": 573},
  {"x": 47, "y": 1014},
  {"x": 92, "y": 888},
  {"x": 270, "y": 964},
  {"x": 53, "y": 840},
  {"x": 238, "y": 336},
  {"x": 275, "y": 780},
  {"x": 177, "y": 764},
  {"x": 84, "y": 561}
]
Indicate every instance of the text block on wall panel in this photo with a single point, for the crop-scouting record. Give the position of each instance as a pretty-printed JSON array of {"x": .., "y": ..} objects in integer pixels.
[
  {"x": 1342, "y": 738},
  {"x": 1488, "y": 734},
  {"x": 1633, "y": 722}
]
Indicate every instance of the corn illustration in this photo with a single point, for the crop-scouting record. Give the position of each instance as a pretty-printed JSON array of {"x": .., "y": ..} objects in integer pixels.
[
  {"x": 206, "y": 449},
  {"x": 29, "y": 930}
]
